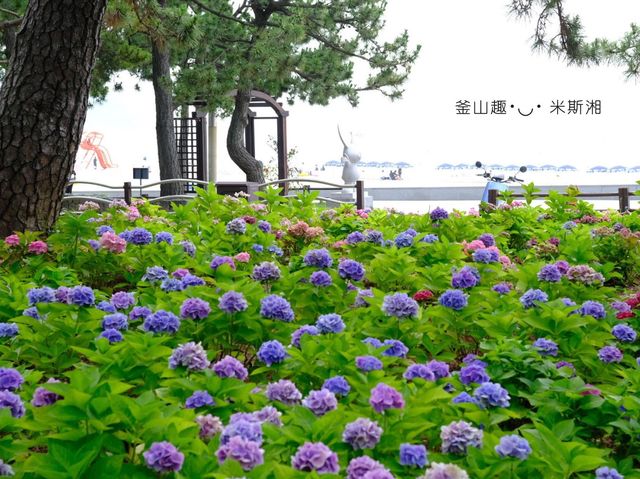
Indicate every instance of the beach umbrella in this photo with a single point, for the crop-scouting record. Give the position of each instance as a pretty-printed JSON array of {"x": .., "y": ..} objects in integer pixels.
[
  {"x": 548, "y": 167},
  {"x": 496, "y": 166},
  {"x": 333, "y": 163},
  {"x": 462, "y": 166},
  {"x": 597, "y": 169},
  {"x": 618, "y": 169},
  {"x": 567, "y": 168},
  {"x": 403, "y": 164},
  {"x": 634, "y": 169},
  {"x": 445, "y": 166},
  {"x": 512, "y": 167},
  {"x": 532, "y": 167}
]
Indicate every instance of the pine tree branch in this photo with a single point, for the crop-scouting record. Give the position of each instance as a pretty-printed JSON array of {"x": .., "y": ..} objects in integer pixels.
[
  {"x": 218, "y": 14},
  {"x": 10, "y": 23},
  {"x": 10, "y": 12}
]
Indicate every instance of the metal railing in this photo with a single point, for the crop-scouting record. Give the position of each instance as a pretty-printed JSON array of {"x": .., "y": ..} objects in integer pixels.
[
  {"x": 127, "y": 189},
  {"x": 622, "y": 195}
]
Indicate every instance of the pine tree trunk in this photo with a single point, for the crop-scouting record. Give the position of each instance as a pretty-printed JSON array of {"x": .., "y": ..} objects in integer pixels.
[
  {"x": 43, "y": 105},
  {"x": 165, "y": 134},
  {"x": 235, "y": 139}
]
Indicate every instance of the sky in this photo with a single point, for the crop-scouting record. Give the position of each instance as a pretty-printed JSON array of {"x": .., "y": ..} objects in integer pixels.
[{"x": 471, "y": 51}]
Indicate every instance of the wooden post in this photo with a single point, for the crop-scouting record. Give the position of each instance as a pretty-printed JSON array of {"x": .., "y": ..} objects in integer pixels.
[
  {"x": 623, "y": 198},
  {"x": 127, "y": 192},
  {"x": 493, "y": 197},
  {"x": 360, "y": 194}
]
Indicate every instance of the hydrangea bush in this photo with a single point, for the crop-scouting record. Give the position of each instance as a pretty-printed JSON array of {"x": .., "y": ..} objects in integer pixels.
[{"x": 279, "y": 339}]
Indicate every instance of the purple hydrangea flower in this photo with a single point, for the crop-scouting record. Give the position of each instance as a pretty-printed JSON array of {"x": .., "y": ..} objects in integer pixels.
[
  {"x": 608, "y": 473},
  {"x": 473, "y": 359},
  {"x": 454, "y": 299},
  {"x": 338, "y": 385},
  {"x": 439, "y": 214},
  {"x": 502, "y": 288},
  {"x": 624, "y": 333},
  {"x": 218, "y": 261},
  {"x": 272, "y": 352},
  {"x": 155, "y": 273},
  {"x": 374, "y": 236},
  {"x": 94, "y": 244},
  {"x": 209, "y": 426},
  {"x": 247, "y": 453},
  {"x": 199, "y": 399},
  {"x": 41, "y": 295},
  {"x": 488, "y": 239},
  {"x": 82, "y": 296},
  {"x": 276, "y": 307},
  {"x": 269, "y": 414},
  {"x": 562, "y": 266},
  {"x": 491, "y": 395},
  {"x": 569, "y": 225},
  {"x": 62, "y": 294},
  {"x": 421, "y": 371},
  {"x": 32, "y": 312},
  {"x": 565, "y": 364},
  {"x": 330, "y": 323},
  {"x": 112, "y": 335},
  {"x": 8, "y": 330},
  {"x": 473, "y": 373},
  {"x": 139, "y": 312},
  {"x": 230, "y": 367},
  {"x": 12, "y": 402},
  {"x": 320, "y": 279},
  {"x": 355, "y": 237},
  {"x": 123, "y": 300},
  {"x": 620, "y": 306},
  {"x": 195, "y": 308},
  {"x": 362, "y": 433},
  {"x": 139, "y": 236},
  {"x": 284, "y": 391},
  {"x": 43, "y": 397},
  {"x": 164, "y": 457},
  {"x": 360, "y": 302},
  {"x": 430, "y": 238},
  {"x": 275, "y": 249},
  {"x": 375, "y": 342},
  {"x": 236, "y": 226},
  {"x": 385, "y": 397},
  {"x": 188, "y": 247},
  {"x": 100, "y": 230},
  {"x": 463, "y": 398},
  {"x": 319, "y": 258},
  {"x": 546, "y": 347},
  {"x": 610, "y": 354},
  {"x": 533, "y": 296},
  {"x": 550, "y": 273},
  {"x": 458, "y": 436},
  {"x": 232, "y": 302},
  {"x": 467, "y": 277},
  {"x": 368, "y": 363},
  {"x": 403, "y": 240},
  {"x": 245, "y": 426},
  {"x": 161, "y": 322},
  {"x": 439, "y": 368},
  {"x": 485, "y": 255},
  {"x": 395, "y": 348},
  {"x": 106, "y": 306},
  {"x": 592, "y": 308},
  {"x": 265, "y": 272},
  {"x": 413, "y": 455},
  {"x": 400, "y": 305},
  {"x": 264, "y": 226},
  {"x": 361, "y": 466},
  {"x": 315, "y": 456},
  {"x": 164, "y": 237},
  {"x": 301, "y": 331},
  {"x": 568, "y": 301},
  {"x": 350, "y": 269},
  {"x": 10, "y": 379},
  {"x": 320, "y": 402},
  {"x": 513, "y": 446},
  {"x": 115, "y": 321},
  {"x": 189, "y": 355}
]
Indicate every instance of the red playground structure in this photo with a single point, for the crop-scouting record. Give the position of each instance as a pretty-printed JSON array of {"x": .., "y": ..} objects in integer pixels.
[{"x": 94, "y": 153}]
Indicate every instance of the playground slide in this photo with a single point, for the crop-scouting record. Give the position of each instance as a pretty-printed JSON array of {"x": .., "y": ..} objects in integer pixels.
[{"x": 94, "y": 153}]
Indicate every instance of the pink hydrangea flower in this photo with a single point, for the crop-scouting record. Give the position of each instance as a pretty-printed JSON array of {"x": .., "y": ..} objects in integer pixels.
[
  {"x": 506, "y": 262},
  {"x": 362, "y": 214},
  {"x": 473, "y": 212},
  {"x": 112, "y": 242},
  {"x": 243, "y": 257},
  {"x": 89, "y": 205},
  {"x": 133, "y": 213},
  {"x": 340, "y": 244},
  {"x": 258, "y": 206},
  {"x": 474, "y": 245},
  {"x": 38, "y": 247},
  {"x": 12, "y": 240}
]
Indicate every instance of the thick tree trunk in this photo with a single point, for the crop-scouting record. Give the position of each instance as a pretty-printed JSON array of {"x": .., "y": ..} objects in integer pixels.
[
  {"x": 165, "y": 134},
  {"x": 235, "y": 139},
  {"x": 43, "y": 105}
]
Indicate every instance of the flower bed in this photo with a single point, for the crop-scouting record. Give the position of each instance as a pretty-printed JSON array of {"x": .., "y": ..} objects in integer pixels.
[{"x": 280, "y": 340}]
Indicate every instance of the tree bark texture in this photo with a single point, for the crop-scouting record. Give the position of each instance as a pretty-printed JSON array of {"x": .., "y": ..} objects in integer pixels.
[
  {"x": 43, "y": 105},
  {"x": 235, "y": 139},
  {"x": 165, "y": 133}
]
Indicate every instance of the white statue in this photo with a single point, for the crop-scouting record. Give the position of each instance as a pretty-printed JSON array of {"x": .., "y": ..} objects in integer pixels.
[{"x": 350, "y": 158}]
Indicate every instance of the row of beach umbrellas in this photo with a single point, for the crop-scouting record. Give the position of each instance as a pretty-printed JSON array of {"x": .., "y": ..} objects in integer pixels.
[
  {"x": 595, "y": 169},
  {"x": 374, "y": 164}
]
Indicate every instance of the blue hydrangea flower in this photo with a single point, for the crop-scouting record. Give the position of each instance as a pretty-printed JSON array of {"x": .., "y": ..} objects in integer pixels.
[
  {"x": 546, "y": 347},
  {"x": 10, "y": 379},
  {"x": 155, "y": 273},
  {"x": 421, "y": 371},
  {"x": 513, "y": 446},
  {"x": 189, "y": 355},
  {"x": 236, "y": 226},
  {"x": 276, "y": 307},
  {"x": 230, "y": 367},
  {"x": 355, "y": 237},
  {"x": 139, "y": 236},
  {"x": 330, "y": 323},
  {"x": 439, "y": 214},
  {"x": 502, "y": 288},
  {"x": 338, "y": 385},
  {"x": 272, "y": 352},
  {"x": 82, "y": 296},
  {"x": 491, "y": 395},
  {"x": 189, "y": 280},
  {"x": 100, "y": 230},
  {"x": 368, "y": 363},
  {"x": 458, "y": 436},
  {"x": 41, "y": 295},
  {"x": 161, "y": 322},
  {"x": 139, "y": 312},
  {"x": 188, "y": 247},
  {"x": 473, "y": 373},
  {"x": 375, "y": 237},
  {"x": 115, "y": 321},
  {"x": 32, "y": 312},
  {"x": 464, "y": 398},
  {"x": 275, "y": 249},
  {"x": 218, "y": 261},
  {"x": 467, "y": 277},
  {"x": 375, "y": 342},
  {"x": 350, "y": 269},
  {"x": 106, "y": 306},
  {"x": 413, "y": 455},
  {"x": 264, "y": 226},
  {"x": 395, "y": 348},
  {"x": 199, "y": 399},
  {"x": 485, "y": 255},
  {"x": 320, "y": 279},
  {"x": 112, "y": 335},
  {"x": 610, "y": 354},
  {"x": 624, "y": 333},
  {"x": 532, "y": 297},
  {"x": 171, "y": 284},
  {"x": 440, "y": 369},
  {"x": 550, "y": 273},
  {"x": 266, "y": 271},
  {"x": 454, "y": 299},
  {"x": 298, "y": 333},
  {"x": 123, "y": 300},
  {"x": 403, "y": 240},
  {"x": 430, "y": 238},
  {"x": 8, "y": 330},
  {"x": 608, "y": 473},
  {"x": 232, "y": 302},
  {"x": 258, "y": 248},
  {"x": 592, "y": 308},
  {"x": 487, "y": 239},
  {"x": 319, "y": 258},
  {"x": 164, "y": 237}
]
